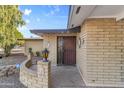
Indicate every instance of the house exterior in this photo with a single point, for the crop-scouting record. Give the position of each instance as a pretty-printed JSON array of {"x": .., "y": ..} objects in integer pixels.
[
  {"x": 93, "y": 41},
  {"x": 35, "y": 43}
]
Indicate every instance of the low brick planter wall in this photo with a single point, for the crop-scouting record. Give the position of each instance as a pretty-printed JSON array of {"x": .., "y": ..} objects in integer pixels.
[
  {"x": 27, "y": 76},
  {"x": 44, "y": 74},
  {"x": 8, "y": 70},
  {"x": 35, "y": 79}
]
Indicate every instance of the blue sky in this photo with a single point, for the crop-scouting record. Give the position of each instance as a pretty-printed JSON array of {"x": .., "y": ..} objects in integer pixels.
[{"x": 43, "y": 17}]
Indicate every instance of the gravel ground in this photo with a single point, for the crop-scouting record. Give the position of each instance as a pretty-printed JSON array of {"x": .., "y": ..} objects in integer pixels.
[
  {"x": 12, "y": 59},
  {"x": 11, "y": 81}
]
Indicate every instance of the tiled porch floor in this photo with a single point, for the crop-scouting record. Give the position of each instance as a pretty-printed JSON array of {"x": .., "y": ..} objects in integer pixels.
[{"x": 66, "y": 77}]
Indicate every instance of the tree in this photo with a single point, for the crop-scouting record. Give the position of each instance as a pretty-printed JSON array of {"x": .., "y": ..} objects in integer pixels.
[
  {"x": 10, "y": 20},
  {"x": 19, "y": 36}
]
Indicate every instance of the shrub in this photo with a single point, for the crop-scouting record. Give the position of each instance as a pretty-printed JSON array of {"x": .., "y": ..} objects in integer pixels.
[
  {"x": 30, "y": 50},
  {"x": 37, "y": 53}
]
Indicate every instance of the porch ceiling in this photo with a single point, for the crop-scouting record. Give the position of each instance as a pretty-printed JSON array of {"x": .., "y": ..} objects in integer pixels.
[{"x": 78, "y": 15}]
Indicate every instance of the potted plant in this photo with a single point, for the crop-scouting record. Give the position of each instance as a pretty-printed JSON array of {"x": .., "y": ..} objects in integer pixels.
[
  {"x": 31, "y": 53},
  {"x": 45, "y": 54},
  {"x": 30, "y": 50}
]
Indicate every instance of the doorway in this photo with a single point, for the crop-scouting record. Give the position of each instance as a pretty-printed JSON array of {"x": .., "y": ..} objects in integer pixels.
[{"x": 66, "y": 50}]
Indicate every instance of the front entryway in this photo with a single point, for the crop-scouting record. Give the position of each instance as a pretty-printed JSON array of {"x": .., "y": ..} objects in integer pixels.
[
  {"x": 66, "y": 50},
  {"x": 66, "y": 77}
]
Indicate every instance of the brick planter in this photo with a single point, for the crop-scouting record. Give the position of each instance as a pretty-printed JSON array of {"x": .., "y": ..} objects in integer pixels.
[
  {"x": 35, "y": 79},
  {"x": 43, "y": 71}
]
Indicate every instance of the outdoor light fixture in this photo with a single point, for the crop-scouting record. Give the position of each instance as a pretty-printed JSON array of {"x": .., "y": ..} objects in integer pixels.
[
  {"x": 45, "y": 54},
  {"x": 79, "y": 42},
  {"x": 83, "y": 41}
]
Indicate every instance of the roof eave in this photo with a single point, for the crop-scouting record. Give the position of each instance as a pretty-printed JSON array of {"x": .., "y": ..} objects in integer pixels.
[
  {"x": 54, "y": 31},
  {"x": 71, "y": 7}
]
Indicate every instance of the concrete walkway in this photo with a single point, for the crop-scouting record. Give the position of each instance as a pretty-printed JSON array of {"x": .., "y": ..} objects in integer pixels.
[{"x": 66, "y": 77}]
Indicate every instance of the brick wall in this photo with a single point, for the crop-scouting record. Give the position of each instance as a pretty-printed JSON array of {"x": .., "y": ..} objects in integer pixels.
[
  {"x": 81, "y": 53},
  {"x": 104, "y": 52},
  {"x": 44, "y": 74},
  {"x": 100, "y": 58},
  {"x": 35, "y": 79}
]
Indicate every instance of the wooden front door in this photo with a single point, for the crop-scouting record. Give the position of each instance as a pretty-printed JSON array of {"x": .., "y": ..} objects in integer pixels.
[{"x": 66, "y": 50}]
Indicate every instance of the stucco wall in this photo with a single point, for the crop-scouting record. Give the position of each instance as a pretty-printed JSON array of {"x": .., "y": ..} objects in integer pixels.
[
  {"x": 104, "y": 52},
  {"x": 52, "y": 47},
  {"x": 36, "y": 45}
]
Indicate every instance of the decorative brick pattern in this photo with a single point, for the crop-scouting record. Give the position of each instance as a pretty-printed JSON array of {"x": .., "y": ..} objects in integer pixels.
[
  {"x": 104, "y": 52},
  {"x": 81, "y": 53},
  {"x": 44, "y": 73},
  {"x": 35, "y": 79}
]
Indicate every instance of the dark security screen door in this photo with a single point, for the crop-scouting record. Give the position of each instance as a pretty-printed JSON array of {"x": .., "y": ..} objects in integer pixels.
[{"x": 66, "y": 50}]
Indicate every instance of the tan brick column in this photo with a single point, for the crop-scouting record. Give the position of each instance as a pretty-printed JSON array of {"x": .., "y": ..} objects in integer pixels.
[{"x": 43, "y": 71}]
